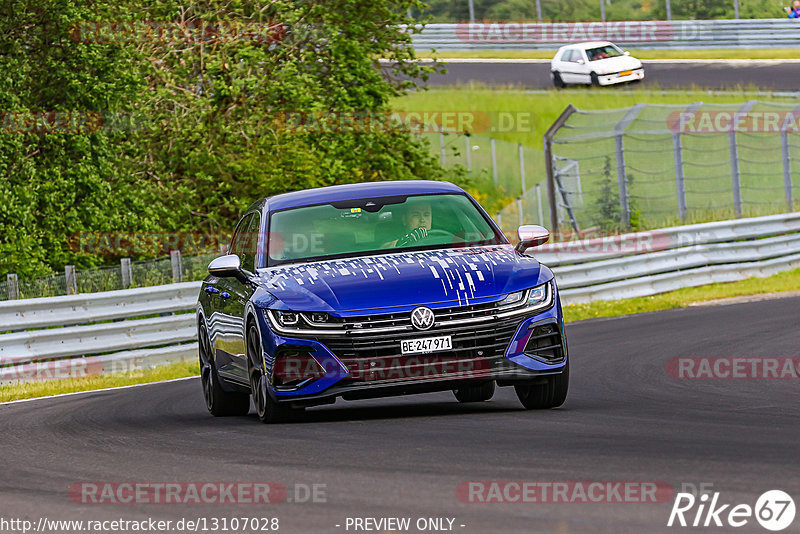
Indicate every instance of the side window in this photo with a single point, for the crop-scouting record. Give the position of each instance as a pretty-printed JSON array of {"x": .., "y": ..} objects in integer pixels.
[
  {"x": 566, "y": 56},
  {"x": 239, "y": 242}
]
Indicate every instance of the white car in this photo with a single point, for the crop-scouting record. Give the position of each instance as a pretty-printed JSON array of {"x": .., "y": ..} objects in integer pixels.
[{"x": 595, "y": 63}]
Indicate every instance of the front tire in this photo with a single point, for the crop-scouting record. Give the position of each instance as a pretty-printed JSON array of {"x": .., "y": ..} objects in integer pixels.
[
  {"x": 475, "y": 393},
  {"x": 551, "y": 392},
  {"x": 595, "y": 79},
  {"x": 220, "y": 403},
  {"x": 267, "y": 409}
]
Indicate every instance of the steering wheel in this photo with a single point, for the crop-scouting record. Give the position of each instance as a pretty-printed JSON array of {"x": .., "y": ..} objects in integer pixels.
[{"x": 437, "y": 232}]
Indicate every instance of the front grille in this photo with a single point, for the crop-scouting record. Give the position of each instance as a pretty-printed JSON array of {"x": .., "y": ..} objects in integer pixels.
[
  {"x": 402, "y": 321},
  {"x": 377, "y": 356}
]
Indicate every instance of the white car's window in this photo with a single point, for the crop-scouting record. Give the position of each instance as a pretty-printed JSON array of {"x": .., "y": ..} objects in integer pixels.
[
  {"x": 602, "y": 52},
  {"x": 573, "y": 56}
]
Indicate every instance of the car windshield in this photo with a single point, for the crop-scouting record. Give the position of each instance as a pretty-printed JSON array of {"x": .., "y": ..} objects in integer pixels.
[
  {"x": 602, "y": 52},
  {"x": 377, "y": 225}
]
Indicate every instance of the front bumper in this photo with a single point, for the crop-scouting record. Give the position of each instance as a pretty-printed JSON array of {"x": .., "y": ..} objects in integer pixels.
[
  {"x": 507, "y": 350},
  {"x": 611, "y": 79}
]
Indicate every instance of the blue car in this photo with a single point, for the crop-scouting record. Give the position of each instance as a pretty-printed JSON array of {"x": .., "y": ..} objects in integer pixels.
[{"x": 372, "y": 290}]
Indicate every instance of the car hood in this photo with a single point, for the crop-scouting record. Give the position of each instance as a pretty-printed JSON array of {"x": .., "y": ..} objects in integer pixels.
[
  {"x": 615, "y": 64},
  {"x": 397, "y": 280}
]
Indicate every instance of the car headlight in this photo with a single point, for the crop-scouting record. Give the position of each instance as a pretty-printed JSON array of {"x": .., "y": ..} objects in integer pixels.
[
  {"x": 288, "y": 318},
  {"x": 512, "y": 298},
  {"x": 538, "y": 294}
]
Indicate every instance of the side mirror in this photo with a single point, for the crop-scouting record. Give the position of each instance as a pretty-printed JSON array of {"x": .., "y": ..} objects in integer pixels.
[
  {"x": 227, "y": 266},
  {"x": 531, "y": 235},
  {"x": 627, "y": 53},
  {"x": 580, "y": 61}
]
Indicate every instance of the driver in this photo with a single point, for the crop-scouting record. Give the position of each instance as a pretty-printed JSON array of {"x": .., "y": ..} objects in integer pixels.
[{"x": 416, "y": 224}]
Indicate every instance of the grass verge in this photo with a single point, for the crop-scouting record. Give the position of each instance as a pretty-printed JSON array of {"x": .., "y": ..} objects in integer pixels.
[
  {"x": 711, "y": 53},
  {"x": 781, "y": 282},
  {"x": 28, "y": 390}
]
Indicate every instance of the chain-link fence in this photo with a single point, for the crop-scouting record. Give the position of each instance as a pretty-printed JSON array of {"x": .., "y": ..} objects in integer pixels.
[
  {"x": 174, "y": 268},
  {"x": 651, "y": 166},
  {"x": 501, "y": 175}
]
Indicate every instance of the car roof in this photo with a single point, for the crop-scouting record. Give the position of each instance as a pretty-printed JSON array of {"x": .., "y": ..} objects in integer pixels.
[
  {"x": 322, "y": 195},
  {"x": 587, "y": 44}
]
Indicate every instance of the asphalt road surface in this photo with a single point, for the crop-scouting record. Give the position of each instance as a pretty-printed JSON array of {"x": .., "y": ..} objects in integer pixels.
[
  {"x": 625, "y": 420},
  {"x": 775, "y": 75}
]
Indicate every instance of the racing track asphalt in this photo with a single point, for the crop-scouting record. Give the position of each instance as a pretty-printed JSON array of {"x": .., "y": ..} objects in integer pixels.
[
  {"x": 624, "y": 420},
  {"x": 774, "y": 75}
]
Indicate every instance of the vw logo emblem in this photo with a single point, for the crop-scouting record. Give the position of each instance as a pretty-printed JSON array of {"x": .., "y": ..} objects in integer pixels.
[{"x": 422, "y": 318}]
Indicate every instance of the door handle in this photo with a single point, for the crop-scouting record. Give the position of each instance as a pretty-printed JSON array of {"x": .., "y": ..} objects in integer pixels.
[
  {"x": 211, "y": 290},
  {"x": 225, "y": 295}
]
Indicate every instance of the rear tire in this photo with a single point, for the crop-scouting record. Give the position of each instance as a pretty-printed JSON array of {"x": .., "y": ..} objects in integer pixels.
[
  {"x": 595, "y": 79},
  {"x": 549, "y": 394},
  {"x": 220, "y": 403},
  {"x": 557, "y": 81},
  {"x": 475, "y": 393},
  {"x": 267, "y": 409}
]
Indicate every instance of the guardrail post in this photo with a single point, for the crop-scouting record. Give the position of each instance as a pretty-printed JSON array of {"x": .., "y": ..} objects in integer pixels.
[
  {"x": 12, "y": 285},
  {"x": 734, "y": 149},
  {"x": 619, "y": 150},
  {"x": 494, "y": 161},
  {"x": 177, "y": 269},
  {"x": 70, "y": 280},
  {"x": 126, "y": 272},
  {"x": 547, "y": 141}
]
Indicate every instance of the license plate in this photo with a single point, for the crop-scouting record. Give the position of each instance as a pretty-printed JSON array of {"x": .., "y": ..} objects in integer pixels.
[
  {"x": 626, "y": 73},
  {"x": 426, "y": 344}
]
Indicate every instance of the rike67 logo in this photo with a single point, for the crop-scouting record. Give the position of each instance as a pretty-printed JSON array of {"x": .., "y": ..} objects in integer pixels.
[{"x": 774, "y": 510}]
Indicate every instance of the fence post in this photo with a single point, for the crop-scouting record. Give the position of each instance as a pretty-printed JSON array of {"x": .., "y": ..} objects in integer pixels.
[
  {"x": 127, "y": 273},
  {"x": 735, "y": 176},
  {"x": 70, "y": 280},
  {"x": 177, "y": 270},
  {"x": 521, "y": 167},
  {"x": 13, "y": 286},
  {"x": 519, "y": 211},
  {"x": 539, "y": 201},
  {"x": 469, "y": 151},
  {"x": 494, "y": 162},
  {"x": 677, "y": 148},
  {"x": 547, "y": 141},
  {"x": 619, "y": 149},
  {"x": 787, "y": 159}
]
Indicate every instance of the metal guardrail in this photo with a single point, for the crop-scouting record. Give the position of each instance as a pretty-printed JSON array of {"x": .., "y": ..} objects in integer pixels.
[
  {"x": 647, "y": 263},
  {"x": 677, "y": 34},
  {"x": 97, "y": 333},
  {"x": 623, "y": 266}
]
